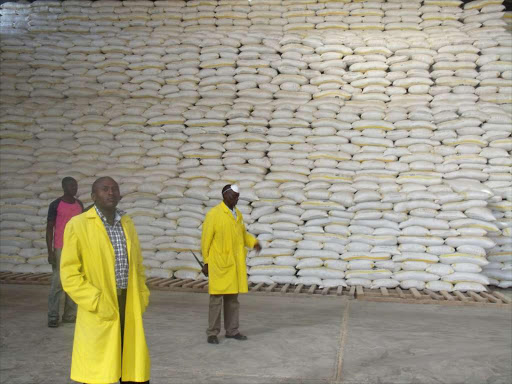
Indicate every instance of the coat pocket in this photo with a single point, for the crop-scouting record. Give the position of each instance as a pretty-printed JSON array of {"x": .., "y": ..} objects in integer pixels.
[
  {"x": 222, "y": 259},
  {"x": 225, "y": 260},
  {"x": 106, "y": 310}
]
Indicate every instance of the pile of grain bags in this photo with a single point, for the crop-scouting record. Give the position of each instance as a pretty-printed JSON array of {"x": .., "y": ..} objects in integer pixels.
[{"x": 346, "y": 124}]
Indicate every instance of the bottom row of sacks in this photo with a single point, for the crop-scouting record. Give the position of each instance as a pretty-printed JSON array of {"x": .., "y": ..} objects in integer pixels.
[
  {"x": 437, "y": 277},
  {"x": 464, "y": 269},
  {"x": 457, "y": 281},
  {"x": 461, "y": 276}
]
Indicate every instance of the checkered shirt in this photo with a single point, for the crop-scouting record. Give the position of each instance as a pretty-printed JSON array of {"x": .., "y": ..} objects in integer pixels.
[{"x": 118, "y": 240}]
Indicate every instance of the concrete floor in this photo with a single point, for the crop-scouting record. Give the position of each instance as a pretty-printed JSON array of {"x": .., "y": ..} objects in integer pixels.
[{"x": 291, "y": 340}]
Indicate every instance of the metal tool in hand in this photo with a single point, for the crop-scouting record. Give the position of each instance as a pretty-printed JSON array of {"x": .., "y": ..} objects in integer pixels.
[{"x": 195, "y": 257}]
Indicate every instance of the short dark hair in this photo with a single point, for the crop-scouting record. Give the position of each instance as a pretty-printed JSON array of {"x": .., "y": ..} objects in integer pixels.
[
  {"x": 67, "y": 180},
  {"x": 99, "y": 180}
]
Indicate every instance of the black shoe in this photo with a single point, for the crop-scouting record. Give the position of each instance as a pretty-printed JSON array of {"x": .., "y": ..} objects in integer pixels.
[
  {"x": 212, "y": 340},
  {"x": 53, "y": 323},
  {"x": 238, "y": 336},
  {"x": 71, "y": 320}
]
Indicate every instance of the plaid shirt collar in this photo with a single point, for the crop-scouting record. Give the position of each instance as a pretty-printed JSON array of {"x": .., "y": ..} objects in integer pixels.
[{"x": 117, "y": 217}]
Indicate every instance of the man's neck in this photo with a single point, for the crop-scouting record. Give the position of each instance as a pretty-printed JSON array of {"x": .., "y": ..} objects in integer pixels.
[
  {"x": 110, "y": 214},
  {"x": 232, "y": 208},
  {"x": 68, "y": 198}
]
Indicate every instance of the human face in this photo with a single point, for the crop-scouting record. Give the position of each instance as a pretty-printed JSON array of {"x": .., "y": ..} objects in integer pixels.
[
  {"x": 70, "y": 188},
  {"x": 106, "y": 195},
  {"x": 231, "y": 198}
]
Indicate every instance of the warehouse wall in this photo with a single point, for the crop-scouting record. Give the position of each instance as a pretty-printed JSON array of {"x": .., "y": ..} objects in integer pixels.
[{"x": 371, "y": 140}]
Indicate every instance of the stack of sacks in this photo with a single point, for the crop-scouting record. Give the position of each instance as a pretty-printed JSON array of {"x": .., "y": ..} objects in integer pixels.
[
  {"x": 198, "y": 17},
  {"x": 486, "y": 15},
  {"x": 141, "y": 204},
  {"x": 17, "y": 53},
  {"x": 184, "y": 266},
  {"x": 248, "y": 118},
  {"x": 372, "y": 16},
  {"x": 297, "y": 17},
  {"x": 42, "y": 17},
  {"x": 324, "y": 196},
  {"x": 56, "y": 155},
  {"x": 185, "y": 212},
  {"x": 16, "y": 250},
  {"x": 373, "y": 236},
  {"x": 272, "y": 265},
  {"x": 168, "y": 17},
  {"x": 276, "y": 221},
  {"x": 364, "y": 17},
  {"x": 499, "y": 268},
  {"x": 304, "y": 17},
  {"x": 193, "y": 142},
  {"x": 333, "y": 117},
  {"x": 262, "y": 17},
  {"x": 276, "y": 217},
  {"x": 325, "y": 234},
  {"x": 373, "y": 228},
  {"x": 231, "y": 18},
  {"x": 28, "y": 171},
  {"x": 14, "y": 16},
  {"x": 421, "y": 230},
  {"x": 328, "y": 16},
  {"x": 465, "y": 209},
  {"x": 443, "y": 14},
  {"x": 325, "y": 218},
  {"x": 488, "y": 25},
  {"x": 411, "y": 16},
  {"x": 507, "y": 17},
  {"x": 321, "y": 272}
]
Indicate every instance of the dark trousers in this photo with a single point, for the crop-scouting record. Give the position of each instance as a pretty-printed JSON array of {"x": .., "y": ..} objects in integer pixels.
[
  {"x": 121, "y": 299},
  {"x": 55, "y": 294},
  {"x": 231, "y": 314}
]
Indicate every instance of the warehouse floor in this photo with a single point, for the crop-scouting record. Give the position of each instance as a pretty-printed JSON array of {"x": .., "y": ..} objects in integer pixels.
[{"x": 291, "y": 340}]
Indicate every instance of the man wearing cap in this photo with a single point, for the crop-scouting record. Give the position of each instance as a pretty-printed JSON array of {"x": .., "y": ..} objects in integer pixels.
[{"x": 223, "y": 244}]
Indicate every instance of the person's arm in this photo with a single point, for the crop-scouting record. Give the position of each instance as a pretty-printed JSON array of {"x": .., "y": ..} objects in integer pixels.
[
  {"x": 74, "y": 282},
  {"x": 206, "y": 240},
  {"x": 249, "y": 240},
  {"x": 50, "y": 227},
  {"x": 49, "y": 241}
]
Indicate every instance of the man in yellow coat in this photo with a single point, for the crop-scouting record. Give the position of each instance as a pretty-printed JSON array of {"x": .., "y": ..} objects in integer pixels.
[
  {"x": 101, "y": 270},
  {"x": 223, "y": 245}
]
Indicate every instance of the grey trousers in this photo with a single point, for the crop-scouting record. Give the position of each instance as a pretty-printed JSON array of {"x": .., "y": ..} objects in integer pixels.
[
  {"x": 56, "y": 292},
  {"x": 231, "y": 314}
]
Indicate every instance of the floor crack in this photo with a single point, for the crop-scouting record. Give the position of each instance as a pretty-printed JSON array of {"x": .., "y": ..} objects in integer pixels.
[{"x": 343, "y": 338}]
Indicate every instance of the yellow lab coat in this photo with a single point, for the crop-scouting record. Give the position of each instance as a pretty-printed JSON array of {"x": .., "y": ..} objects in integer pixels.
[
  {"x": 88, "y": 276},
  {"x": 223, "y": 245}
]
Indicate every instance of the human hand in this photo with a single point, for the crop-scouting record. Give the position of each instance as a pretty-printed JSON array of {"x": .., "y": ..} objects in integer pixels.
[
  {"x": 205, "y": 269},
  {"x": 51, "y": 257},
  {"x": 257, "y": 248}
]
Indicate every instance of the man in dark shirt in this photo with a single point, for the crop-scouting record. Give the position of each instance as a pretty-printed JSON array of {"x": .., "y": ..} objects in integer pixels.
[{"x": 59, "y": 213}]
